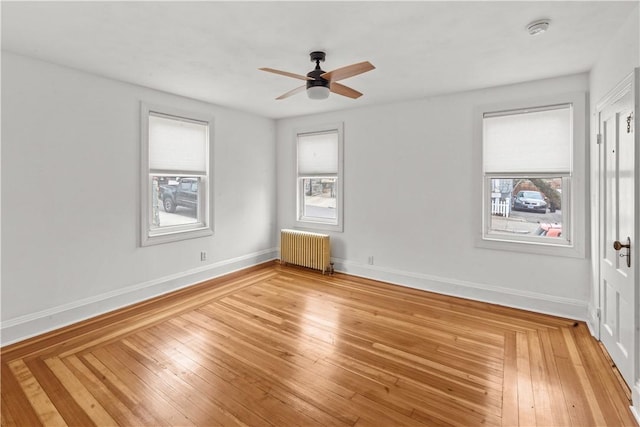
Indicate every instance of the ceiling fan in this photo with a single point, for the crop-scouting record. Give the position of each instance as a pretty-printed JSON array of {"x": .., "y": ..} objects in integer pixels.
[{"x": 320, "y": 83}]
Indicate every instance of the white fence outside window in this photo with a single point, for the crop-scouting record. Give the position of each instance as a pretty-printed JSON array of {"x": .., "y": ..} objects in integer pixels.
[{"x": 501, "y": 207}]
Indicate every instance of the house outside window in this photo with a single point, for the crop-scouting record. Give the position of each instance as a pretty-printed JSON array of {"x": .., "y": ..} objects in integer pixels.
[
  {"x": 319, "y": 178},
  {"x": 531, "y": 159},
  {"x": 175, "y": 175}
]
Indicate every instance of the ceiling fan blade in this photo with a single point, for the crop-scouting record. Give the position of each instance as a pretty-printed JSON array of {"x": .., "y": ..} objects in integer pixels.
[
  {"x": 343, "y": 90},
  {"x": 348, "y": 71},
  {"x": 292, "y": 92},
  {"x": 286, "y": 73}
]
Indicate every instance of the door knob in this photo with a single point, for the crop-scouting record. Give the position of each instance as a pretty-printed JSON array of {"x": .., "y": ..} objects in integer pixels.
[{"x": 617, "y": 246}]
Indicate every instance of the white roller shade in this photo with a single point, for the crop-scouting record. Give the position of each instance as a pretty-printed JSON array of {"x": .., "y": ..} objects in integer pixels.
[
  {"x": 318, "y": 154},
  {"x": 177, "y": 145},
  {"x": 534, "y": 141}
]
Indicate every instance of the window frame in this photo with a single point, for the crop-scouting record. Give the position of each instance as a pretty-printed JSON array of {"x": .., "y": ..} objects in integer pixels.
[
  {"x": 204, "y": 224},
  {"x": 313, "y": 223},
  {"x": 567, "y": 230},
  {"x": 574, "y": 190}
]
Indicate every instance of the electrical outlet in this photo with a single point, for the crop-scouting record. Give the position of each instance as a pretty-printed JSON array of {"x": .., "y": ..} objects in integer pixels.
[
  {"x": 370, "y": 259},
  {"x": 203, "y": 256}
]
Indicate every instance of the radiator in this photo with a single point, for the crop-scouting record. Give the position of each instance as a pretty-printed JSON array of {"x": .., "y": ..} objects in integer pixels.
[{"x": 305, "y": 249}]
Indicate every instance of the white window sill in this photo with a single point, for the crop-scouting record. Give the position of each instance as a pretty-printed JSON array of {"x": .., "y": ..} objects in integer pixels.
[
  {"x": 323, "y": 226},
  {"x": 538, "y": 248},
  {"x": 175, "y": 236}
]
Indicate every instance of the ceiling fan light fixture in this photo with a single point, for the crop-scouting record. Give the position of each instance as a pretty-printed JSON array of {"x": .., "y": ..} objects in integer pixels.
[
  {"x": 318, "y": 92},
  {"x": 538, "y": 27}
]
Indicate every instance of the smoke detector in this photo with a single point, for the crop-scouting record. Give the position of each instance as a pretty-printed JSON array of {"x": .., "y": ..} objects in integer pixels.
[{"x": 538, "y": 27}]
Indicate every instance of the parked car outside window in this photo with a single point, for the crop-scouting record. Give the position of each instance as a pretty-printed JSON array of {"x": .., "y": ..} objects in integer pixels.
[{"x": 530, "y": 201}]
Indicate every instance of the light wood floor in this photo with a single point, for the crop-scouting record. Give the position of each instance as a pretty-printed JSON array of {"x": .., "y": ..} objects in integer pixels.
[{"x": 284, "y": 346}]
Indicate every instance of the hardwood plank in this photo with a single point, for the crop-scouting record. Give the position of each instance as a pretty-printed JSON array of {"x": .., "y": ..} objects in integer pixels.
[
  {"x": 306, "y": 385},
  {"x": 578, "y": 404},
  {"x": 274, "y": 345},
  {"x": 453, "y": 353},
  {"x": 146, "y": 320},
  {"x": 526, "y": 405},
  {"x": 402, "y": 295},
  {"x": 120, "y": 413},
  {"x": 599, "y": 367},
  {"x": 16, "y": 407},
  {"x": 318, "y": 365},
  {"x": 83, "y": 397},
  {"x": 215, "y": 364},
  {"x": 453, "y": 409},
  {"x": 6, "y": 418},
  {"x": 553, "y": 383},
  {"x": 451, "y": 372},
  {"x": 60, "y": 396},
  {"x": 47, "y": 412},
  {"x": 583, "y": 377},
  {"x": 510, "y": 381},
  {"x": 144, "y": 391},
  {"x": 374, "y": 415},
  {"x": 226, "y": 401},
  {"x": 539, "y": 380},
  {"x": 241, "y": 373},
  {"x": 192, "y": 403},
  {"x": 120, "y": 391}
]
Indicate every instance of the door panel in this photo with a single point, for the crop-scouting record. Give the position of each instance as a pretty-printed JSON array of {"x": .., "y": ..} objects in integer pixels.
[{"x": 617, "y": 289}]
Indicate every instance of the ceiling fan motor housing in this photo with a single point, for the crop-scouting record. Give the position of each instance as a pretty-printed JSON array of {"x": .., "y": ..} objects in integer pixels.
[
  {"x": 317, "y": 80},
  {"x": 315, "y": 74}
]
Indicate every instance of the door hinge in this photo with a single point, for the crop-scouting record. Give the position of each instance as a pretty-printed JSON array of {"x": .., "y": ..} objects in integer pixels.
[
  {"x": 598, "y": 313},
  {"x": 598, "y": 139}
]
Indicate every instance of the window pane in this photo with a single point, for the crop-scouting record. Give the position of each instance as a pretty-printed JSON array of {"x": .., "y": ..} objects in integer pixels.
[
  {"x": 319, "y": 198},
  {"x": 528, "y": 142},
  {"x": 174, "y": 201},
  {"x": 526, "y": 207}
]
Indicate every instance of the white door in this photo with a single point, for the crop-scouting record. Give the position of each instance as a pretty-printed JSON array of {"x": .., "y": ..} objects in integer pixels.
[{"x": 617, "y": 229}]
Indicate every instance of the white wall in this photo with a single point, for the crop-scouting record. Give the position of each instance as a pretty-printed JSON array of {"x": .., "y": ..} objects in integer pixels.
[
  {"x": 616, "y": 61},
  {"x": 70, "y": 198},
  {"x": 410, "y": 202}
]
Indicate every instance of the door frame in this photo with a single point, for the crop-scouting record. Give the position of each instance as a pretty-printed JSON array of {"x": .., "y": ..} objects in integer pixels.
[{"x": 630, "y": 83}]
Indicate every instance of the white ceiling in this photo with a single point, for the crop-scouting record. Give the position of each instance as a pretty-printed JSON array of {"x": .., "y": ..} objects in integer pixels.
[{"x": 212, "y": 50}]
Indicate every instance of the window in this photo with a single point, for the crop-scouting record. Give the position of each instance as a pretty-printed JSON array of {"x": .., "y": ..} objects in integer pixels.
[
  {"x": 175, "y": 168},
  {"x": 530, "y": 162},
  {"x": 319, "y": 178}
]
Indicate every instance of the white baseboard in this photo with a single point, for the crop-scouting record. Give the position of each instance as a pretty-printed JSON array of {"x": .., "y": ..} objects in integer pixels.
[
  {"x": 593, "y": 323},
  {"x": 635, "y": 397},
  {"x": 23, "y": 327},
  {"x": 526, "y": 300},
  {"x": 635, "y": 413},
  {"x": 27, "y": 326}
]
